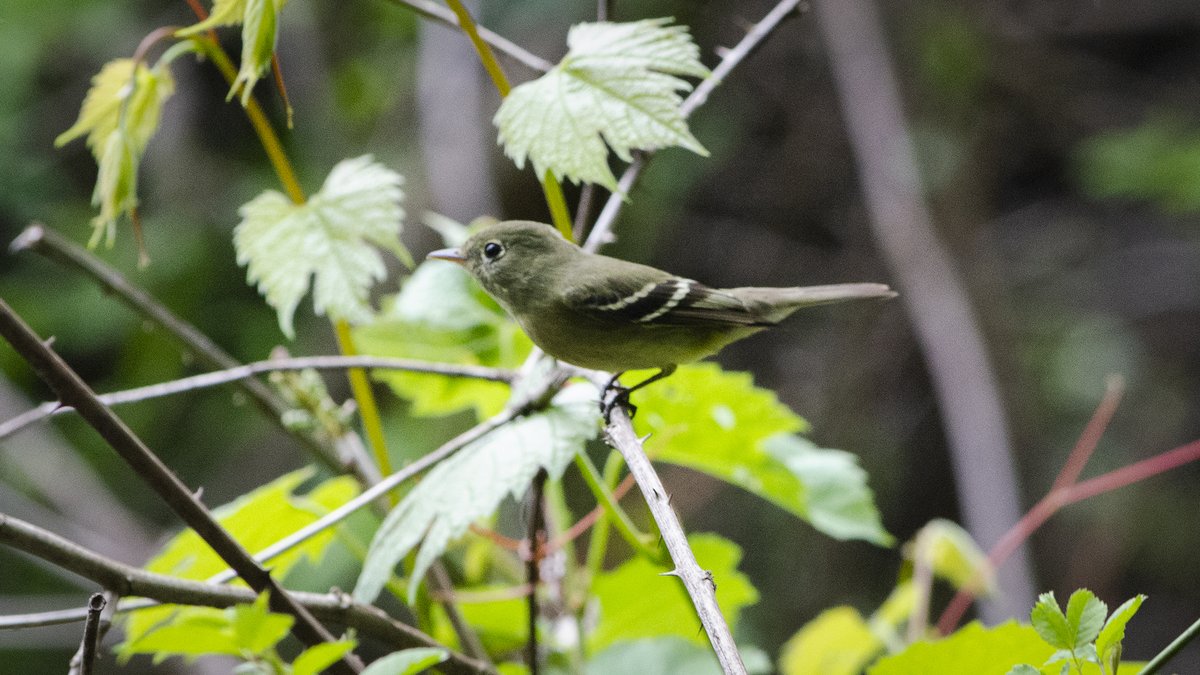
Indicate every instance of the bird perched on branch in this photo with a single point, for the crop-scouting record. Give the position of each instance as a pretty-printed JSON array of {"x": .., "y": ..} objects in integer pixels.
[{"x": 602, "y": 313}]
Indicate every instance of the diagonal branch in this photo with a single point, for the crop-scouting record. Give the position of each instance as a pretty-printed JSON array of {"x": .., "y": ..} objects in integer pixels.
[
  {"x": 602, "y": 230},
  {"x": 435, "y": 11},
  {"x": 73, "y": 391},
  {"x": 129, "y": 580}
]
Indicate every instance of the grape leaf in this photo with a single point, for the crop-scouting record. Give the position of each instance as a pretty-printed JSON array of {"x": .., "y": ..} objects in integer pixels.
[
  {"x": 972, "y": 649},
  {"x": 617, "y": 84},
  {"x": 837, "y": 642},
  {"x": 328, "y": 240},
  {"x": 719, "y": 423},
  {"x": 637, "y": 601},
  {"x": 470, "y": 485}
]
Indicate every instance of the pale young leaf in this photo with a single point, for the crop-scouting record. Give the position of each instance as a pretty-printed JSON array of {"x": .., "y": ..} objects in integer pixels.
[
  {"x": 407, "y": 661},
  {"x": 837, "y": 642},
  {"x": 618, "y": 84},
  {"x": 471, "y": 484},
  {"x": 1108, "y": 643},
  {"x": 315, "y": 659},
  {"x": 330, "y": 240}
]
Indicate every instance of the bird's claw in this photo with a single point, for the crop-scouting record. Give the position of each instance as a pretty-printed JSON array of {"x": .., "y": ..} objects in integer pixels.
[{"x": 614, "y": 395}]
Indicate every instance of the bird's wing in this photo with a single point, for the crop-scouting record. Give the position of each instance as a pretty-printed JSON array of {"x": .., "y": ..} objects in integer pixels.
[{"x": 661, "y": 301}]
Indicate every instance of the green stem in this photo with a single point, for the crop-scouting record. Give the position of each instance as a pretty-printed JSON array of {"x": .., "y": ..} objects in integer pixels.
[
  {"x": 555, "y": 198},
  {"x": 598, "y": 543},
  {"x": 1172, "y": 649},
  {"x": 367, "y": 409},
  {"x": 625, "y": 526}
]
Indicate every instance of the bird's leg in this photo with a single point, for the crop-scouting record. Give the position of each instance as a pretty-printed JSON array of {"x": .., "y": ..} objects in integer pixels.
[{"x": 621, "y": 393}]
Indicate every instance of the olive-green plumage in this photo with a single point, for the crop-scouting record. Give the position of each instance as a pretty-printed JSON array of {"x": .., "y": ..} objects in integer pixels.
[{"x": 607, "y": 314}]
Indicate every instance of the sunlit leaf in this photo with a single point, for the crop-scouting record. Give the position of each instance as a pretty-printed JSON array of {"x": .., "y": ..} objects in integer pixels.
[
  {"x": 255, "y": 628},
  {"x": 407, "y": 661},
  {"x": 1108, "y": 643},
  {"x": 119, "y": 116},
  {"x": 471, "y": 483},
  {"x": 954, "y": 556},
  {"x": 257, "y": 520},
  {"x": 972, "y": 649},
  {"x": 330, "y": 240},
  {"x": 837, "y": 642},
  {"x": 636, "y": 601},
  {"x": 719, "y": 423},
  {"x": 223, "y": 13},
  {"x": 316, "y": 659},
  {"x": 198, "y": 632},
  {"x": 618, "y": 85},
  {"x": 1085, "y": 614}
]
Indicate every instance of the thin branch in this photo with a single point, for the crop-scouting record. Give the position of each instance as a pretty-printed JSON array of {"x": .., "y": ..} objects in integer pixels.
[
  {"x": 47, "y": 242},
  {"x": 128, "y": 580},
  {"x": 219, "y": 377},
  {"x": 699, "y": 583},
  {"x": 602, "y": 231},
  {"x": 437, "y": 12},
  {"x": 103, "y": 620},
  {"x": 532, "y": 566},
  {"x": 91, "y": 633},
  {"x": 72, "y": 391}
]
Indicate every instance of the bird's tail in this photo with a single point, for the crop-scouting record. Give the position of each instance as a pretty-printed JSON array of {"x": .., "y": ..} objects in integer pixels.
[{"x": 783, "y": 301}]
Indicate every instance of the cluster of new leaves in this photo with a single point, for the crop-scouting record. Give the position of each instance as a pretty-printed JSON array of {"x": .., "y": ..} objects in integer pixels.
[
  {"x": 1081, "y": 635},
  {"x": 617, "y": 84},
  {"x": 119, "y": 116},
  {"x": 260, "y": 33}
]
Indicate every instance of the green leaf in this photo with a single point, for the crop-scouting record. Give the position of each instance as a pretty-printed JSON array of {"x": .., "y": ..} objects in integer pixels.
[
  {"x": 442, "y": 315},
  {"x": 954, "y": 556},
  {"x": 470, "y": 485},
  {"x": 837, "y": 642},
  {"x": 617, "y": 84},
  {"x": 1024, "y": 669},
  {"x": 257, "y": 520},
  {"x": 407, "y": 661},
  {"x": 260, "y": 32},
  {"x": 837, "y": 500},
  {"x": 224, "y": 13},
  {"x": 329, "y": 240},
  {"x": 256, "y": 629},
  {"x": 636, "y": 601},
  {"x": 316, "y": 659},
  {"x": 719, "y": 423},
  {"x": 1050, "y": 623},
  {"x": 1085, "y": 614},
  {"x": 502, "y": 624},
  {"x": 973, "y": 649},
  {"x": 198, "y": 632},
  {"x": 119, "y": 116},
  {"x": 1108, "y": 643},
  {"x": 1158, "y": 161}
]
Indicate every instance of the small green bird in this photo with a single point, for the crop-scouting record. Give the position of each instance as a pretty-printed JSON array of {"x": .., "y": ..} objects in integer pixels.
[{"x": 606, "y": 314}]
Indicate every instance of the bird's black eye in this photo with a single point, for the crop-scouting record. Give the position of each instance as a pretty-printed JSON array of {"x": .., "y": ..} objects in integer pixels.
[{"x": 493, "y": 250}]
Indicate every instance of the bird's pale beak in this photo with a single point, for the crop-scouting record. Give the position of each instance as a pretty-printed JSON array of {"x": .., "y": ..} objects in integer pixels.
[{"x": 451, "y": 254}]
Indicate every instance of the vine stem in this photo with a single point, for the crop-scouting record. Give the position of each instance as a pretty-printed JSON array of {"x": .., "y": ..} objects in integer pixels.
[
  {"x": 555, "y": 199},
  {"x": 368, "y": 410}
]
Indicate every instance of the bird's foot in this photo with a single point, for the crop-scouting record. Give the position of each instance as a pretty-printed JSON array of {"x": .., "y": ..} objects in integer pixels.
[{"x": 613, "y": 395}]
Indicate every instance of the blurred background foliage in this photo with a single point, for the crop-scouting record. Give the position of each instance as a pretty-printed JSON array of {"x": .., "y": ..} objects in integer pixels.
[{"x": 1060, "y": 149}]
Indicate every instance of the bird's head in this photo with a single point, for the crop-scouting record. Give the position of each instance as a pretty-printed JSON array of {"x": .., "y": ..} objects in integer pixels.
[{"x": 507, "y": 257}]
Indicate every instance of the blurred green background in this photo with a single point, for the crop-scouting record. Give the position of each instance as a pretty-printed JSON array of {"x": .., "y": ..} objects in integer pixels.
[{"x": 1059, "y": 146}]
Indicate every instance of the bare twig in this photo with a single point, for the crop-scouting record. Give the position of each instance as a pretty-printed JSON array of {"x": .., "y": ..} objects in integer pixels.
[
  {"x": 532, "y": 566},
  {"x": 91, "y": 634},
  {"x": 129, "y": 580},
  {"x": 935, "y": 297},
  {"x": 47, "y": 242},
  {"x": 73, "y": 391},
  {"x": 602, "y": 230},
  {"x": 220, "y": 377},
  {"x": 699, "y": 583},
  {"x": 437, "y": 12}
]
